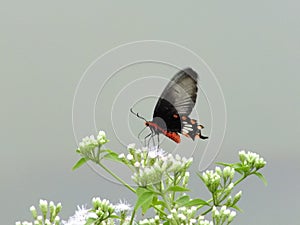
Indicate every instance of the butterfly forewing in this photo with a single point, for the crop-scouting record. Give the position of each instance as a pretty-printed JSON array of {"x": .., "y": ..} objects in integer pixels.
[{"x": 178, "y": 99}]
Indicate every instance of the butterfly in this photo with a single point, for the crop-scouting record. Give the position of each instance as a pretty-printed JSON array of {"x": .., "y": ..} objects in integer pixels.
[{"x": 172, "y": 110}]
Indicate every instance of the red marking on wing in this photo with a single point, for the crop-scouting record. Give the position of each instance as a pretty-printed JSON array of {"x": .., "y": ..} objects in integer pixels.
[{"x": 172, "y": 135}]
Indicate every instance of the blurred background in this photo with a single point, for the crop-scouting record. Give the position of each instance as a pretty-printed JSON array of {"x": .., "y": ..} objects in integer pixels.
[{"x": 252, "y": 47}]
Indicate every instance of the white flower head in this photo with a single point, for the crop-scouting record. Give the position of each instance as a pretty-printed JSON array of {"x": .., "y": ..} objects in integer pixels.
[
  {"x": 122, "y": 206},
  {"x": 80, "y": 217},
  {"x": 137, "y": 164},
  {"x": 131, "y": 146},
  {"x": 121, "y": 156},
  {"x": 155, "y": 152},
  {"x": 129, "y": 157}
]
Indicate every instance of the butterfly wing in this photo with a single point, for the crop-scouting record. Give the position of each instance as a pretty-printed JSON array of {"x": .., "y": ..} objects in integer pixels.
[{"x": 178, "y": 99}]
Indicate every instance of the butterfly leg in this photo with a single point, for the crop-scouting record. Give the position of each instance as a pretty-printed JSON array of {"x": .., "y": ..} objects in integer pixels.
[
  {"x": 145, "y": 139},
  {"x": 158, "y": 141},
  {"x": 151, "y": 138},
  {"x": 139, "y": 135}
]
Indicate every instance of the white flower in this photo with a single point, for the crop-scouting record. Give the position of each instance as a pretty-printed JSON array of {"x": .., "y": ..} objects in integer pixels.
[
  {"x": 152, "y": 154},
  {"x": 130, "y": 157},
  {"x": 122, "y": 207},
  {"x": 230, "y": 186},
  {"x": 131, "y": 146},
  {"x": 156, "y": 152},
  {"x": 252, "y": 159},
  {"x": 137, "y": 164},
  {"x": 192, "y": 221},
  {"x": 80, "y": 217},
  {"x": 170, "y": 216},
  {"x": 101, "y": 135},
  {"x": 43, "y": 203},
  {"x": 181, "y": 216},
  {"x": 121, "y": 156},
  {"x": 231, "y": 216}
]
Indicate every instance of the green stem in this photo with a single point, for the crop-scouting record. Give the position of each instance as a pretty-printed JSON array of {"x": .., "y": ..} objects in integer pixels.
[
  {"x": 162, "y": 194},
  {"x": 98, "y": 154},
  {"x": 132, "y": 217},
  {"x": 207, "y": 211},
  {"x": 174, "y": 184},
  {"x": 116, "y": 177},
  {"x": 240, "y": 180}
]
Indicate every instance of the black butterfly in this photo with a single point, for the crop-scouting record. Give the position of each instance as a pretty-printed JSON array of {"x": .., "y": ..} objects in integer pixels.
[{"x": 171, "y": 113}]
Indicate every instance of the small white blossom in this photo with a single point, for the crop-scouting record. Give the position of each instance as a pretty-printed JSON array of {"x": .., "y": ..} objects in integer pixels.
[
  {"x": 122, "y": 207},
  {"x": 129, "y": 157},
  {"x": 170, "y": 216},
  {"x": 231, "y": 216},
  {"x": 121, "y": 156},
  {"x": 181, "y": 216},
  {"x": 137, "y": 164},
  {"x": 131, "y": 146},
  {"x": 80, "y": 217}
]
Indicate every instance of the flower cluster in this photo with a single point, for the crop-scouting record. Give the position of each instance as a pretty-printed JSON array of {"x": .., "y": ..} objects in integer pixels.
[
  {"x": 152, "y": 165},
  {"x": 184, "y": 215},
  {"x": 91, "y": 142},
  {"x": 162, "y": 181},
  {"x": 150, "y": 221},
  {"x": 89, "y": 147},
  {"x": 218, "y": 178},
  {"x": 223, "y": 216},
  {"x": 49, "y": 214},
  {"x": 103, "y": 211},
  {"x": 220, "y": 183},
  {"x": 252, "y": 160}
]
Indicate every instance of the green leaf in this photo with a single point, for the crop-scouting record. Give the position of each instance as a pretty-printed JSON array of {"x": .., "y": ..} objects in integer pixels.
[
  {"x": 106, "y": 150},
  {"x": 237, "y": 208},
  {"x": 177, "y": 188},
  {"x": 114, "y": 216},
  {"x": 141, "y": 190},
  {"x": 90, "y": 221},
  {"x": 242, "y": 169},
  {"x": 144, "y": 201},
  {"x": 195, "y": 202},
  {"x": 79, "y": 163},
  {"x": 155, "y": 201},
  {"x": 182, "y": 200},
  {"x": 223, "y": 164},
  {"x": 260, "y": 176},
  {"x": 112, "y": 156}
]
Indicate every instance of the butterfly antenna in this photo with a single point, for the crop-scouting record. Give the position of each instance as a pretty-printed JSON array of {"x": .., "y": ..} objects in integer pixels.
[{"x": 136, "y": 114}]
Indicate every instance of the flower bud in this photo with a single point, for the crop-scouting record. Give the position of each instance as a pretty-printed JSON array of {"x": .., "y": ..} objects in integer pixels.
[
  {"x": 218, "y": 171},
  {"x": 33, "y": 212},
  {"x": 44, "y": 208},
  {"x": 237, "y": 197},
  {"x": 231, "y": 216}
]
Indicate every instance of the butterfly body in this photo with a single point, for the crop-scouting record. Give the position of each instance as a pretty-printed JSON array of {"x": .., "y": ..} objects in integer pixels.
[
  {"x": 157, "y": 130},
  {"x": 171, "y": 113}
]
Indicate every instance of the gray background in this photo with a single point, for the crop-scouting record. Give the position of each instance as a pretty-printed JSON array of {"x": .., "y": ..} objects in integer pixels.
[{"x": 253, "y": 48}]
